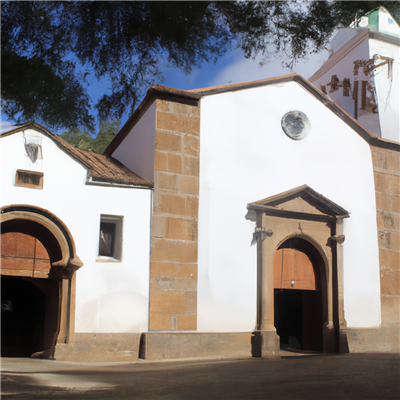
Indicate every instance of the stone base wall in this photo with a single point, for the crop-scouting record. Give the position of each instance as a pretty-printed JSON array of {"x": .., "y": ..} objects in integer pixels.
[
  {"x": 164, "y": 346},
  {"x": 100, "y": 347},
  {"x": 114, "y": 347},
  {"x": 374, "y": 340},
  {"x": 387, "y": 188}
]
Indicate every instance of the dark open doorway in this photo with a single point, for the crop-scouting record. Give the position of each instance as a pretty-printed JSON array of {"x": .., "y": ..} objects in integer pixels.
[
  {"x": 298, "y": 318},
  {"x": 298, "y": 298},
  {"x": 29, "y": 315},
  {"x": 22, "y": 318}
]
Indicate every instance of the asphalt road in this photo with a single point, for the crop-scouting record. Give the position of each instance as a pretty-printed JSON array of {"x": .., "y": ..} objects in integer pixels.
[{"x": 349, "y": 376}]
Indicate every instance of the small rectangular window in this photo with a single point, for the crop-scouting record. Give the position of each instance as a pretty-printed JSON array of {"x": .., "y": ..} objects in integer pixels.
[
  {"x": 30, "y": 179},
  {"x": 110, "y": 238}
]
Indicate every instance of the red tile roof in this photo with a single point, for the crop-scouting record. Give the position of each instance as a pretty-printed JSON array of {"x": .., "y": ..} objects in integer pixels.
[{"x": 101, "y": 168}]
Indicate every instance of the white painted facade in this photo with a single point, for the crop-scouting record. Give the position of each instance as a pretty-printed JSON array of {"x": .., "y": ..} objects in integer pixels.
[
  {"x": 382, "y": 46},
  {"x": 110, "y": 296},
  {"x": 244, "y": 157},
  {"x": 387, "y": 84},
  {"x": 137, "y": 153}
]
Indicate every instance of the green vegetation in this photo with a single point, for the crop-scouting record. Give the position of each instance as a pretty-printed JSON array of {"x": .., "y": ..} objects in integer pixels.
[
  {"x": 50, "y": 48},
  {"x": 82, "y": 139}
]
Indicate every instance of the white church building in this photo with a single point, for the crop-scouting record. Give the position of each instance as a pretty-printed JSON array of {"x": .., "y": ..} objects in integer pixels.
[{"x": 229, "y": 221}]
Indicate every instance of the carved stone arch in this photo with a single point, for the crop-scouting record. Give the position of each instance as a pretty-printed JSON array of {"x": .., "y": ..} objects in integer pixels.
[
  {"x": 20, "y": 225},
  {"x": 20, "y": 214}
]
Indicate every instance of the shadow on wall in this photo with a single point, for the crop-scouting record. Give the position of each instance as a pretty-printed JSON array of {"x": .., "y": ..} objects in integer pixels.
[{"x": 124, "y": 312}]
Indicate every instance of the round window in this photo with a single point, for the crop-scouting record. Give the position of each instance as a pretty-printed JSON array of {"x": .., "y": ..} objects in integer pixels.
[{"x": 296, "y": 125}]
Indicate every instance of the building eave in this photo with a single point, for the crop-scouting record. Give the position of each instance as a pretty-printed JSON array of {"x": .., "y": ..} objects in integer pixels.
[{"x": 193, "y": 98}]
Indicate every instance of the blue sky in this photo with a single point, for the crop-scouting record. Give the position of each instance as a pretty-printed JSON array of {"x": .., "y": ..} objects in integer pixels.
[
  {"x": 231, "y": 68},
  {"x": 235, "y": 68}
]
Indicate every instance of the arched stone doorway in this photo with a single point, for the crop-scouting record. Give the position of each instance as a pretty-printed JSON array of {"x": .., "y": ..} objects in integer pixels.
[
  {"x": 311, "y": 225},
  {"x": 298, "y": 296},
  {"x": 38, "y": 282}
]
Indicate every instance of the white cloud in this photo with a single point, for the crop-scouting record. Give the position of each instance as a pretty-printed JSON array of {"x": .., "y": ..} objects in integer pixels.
[{"x": 245, "y": 70}]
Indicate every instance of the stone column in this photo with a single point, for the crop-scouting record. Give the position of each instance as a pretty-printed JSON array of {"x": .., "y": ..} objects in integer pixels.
[
  {"x": 270, "y": 342},
  {"x": 173, "y": 268},
  {"x": 387, "y": 190}
]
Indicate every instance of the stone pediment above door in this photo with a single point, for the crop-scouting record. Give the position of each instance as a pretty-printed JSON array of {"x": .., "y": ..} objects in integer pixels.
[{"x": 300, "y": 201}]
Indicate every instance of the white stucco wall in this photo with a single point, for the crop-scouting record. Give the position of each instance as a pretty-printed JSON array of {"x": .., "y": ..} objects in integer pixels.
[
  {"x": 387, "y": 84},
  {"x": 245, "y": 156},
  {"x": 137, "y": 149},
  {"x": 110, "y": 296},
  {"x": 387, "y": 23},
  {"x": 344, "y": 68},
  {"x": 385, "y": 80}
]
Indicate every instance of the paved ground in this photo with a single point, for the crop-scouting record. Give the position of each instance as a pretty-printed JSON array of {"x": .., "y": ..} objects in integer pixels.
[{"x": 349, "y": 376}]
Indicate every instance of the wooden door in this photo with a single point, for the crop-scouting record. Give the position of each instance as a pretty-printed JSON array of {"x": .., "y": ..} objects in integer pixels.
[
  {"x": 293, "y": 270},
  {"x": 23, "y": 255}
]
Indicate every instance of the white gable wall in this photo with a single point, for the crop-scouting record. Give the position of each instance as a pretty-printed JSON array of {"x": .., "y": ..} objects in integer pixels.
[
  {"x": 387, "y": 84},
  {"x": 387, "y": 24},
  {"x": 385, "y": 80},
  {"x": 344, "y": 68},
  {"x": 137, "y": 149},
  {"x": 110, "y": 297},
  {"x": 245, "y": 156}
]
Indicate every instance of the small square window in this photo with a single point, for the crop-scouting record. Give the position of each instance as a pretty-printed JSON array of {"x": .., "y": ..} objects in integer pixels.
[
  {"x": 110, "y": 238},
  {"x": 30, "y": 179}
]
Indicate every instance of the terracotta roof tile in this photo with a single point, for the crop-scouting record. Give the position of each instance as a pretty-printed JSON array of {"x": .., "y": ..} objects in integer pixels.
[{"x": 108, "y": 169}]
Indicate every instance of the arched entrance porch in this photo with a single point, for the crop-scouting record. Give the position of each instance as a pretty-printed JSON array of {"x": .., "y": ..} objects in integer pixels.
[{"x": 38, "y": 279}]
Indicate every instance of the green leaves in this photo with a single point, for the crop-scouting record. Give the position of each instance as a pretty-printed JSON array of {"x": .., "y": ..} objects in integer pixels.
[
  {"x": 31, "y": 89},
  {"x": 124, "y": 41},
  {"x": 83, "y": 140}
]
